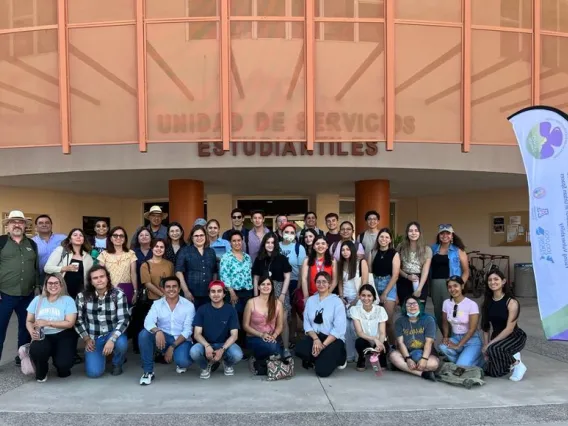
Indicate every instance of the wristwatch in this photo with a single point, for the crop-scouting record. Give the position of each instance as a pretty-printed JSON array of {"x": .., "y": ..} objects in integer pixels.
[{"x": 113, "y": 339}]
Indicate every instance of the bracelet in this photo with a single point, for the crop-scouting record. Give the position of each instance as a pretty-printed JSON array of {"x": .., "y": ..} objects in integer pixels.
[
  {"x": 406, "y": 358},
  {"x": 426, "y": 359}
]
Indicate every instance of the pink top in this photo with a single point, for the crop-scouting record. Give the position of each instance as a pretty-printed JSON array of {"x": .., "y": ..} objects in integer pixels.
[
  {"x": 258, "y": 321},
  {"x": 460, "y": 324}
]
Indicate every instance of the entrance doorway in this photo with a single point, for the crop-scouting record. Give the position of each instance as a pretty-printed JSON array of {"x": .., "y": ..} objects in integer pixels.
[{"x": 294, "y": 209}]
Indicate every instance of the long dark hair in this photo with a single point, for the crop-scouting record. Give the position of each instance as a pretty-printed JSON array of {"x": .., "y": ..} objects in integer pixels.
[
  {"x": 351, "y": 263},
  {"x": 488, "y": 298},
  {"x": 456, "y": 241},
  {"x": 110, "y": 246},
  {"x": 262, "y": 253},
  {"x": 303, "y": 242},
  {"x": 90, "y": 290},
  {"x": 271, "y": 298},
  {"x": 382, "y": 231},
  {"x": 181, "y": 238},
  {"x": 404, "y": 248},
  {"x": 68, "y": 247},
  {"x": 327, "y": 259}
]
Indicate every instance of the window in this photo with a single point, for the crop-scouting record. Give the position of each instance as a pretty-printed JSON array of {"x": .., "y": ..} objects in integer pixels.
[
  {"x": 202, "y": 30},
  {"x": 32, "y": 13},
  {"x": 555, "y": 15},
  {"x": 345, "y": 31},
  {"x": 515, "y": 14}
]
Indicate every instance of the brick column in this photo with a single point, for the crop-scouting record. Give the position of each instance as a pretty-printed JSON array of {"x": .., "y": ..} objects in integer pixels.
[
  {"x": 186, "y": 201},
  {"x": 372, "y": 195}
]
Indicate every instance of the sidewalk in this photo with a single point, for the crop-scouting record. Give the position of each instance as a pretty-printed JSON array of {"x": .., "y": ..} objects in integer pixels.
[{"x": 346, "y": 396}]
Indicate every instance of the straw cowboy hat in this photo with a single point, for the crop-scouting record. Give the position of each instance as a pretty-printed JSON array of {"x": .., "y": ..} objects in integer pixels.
[
  {"x": 16, "y": 215},
  {"x": 154, "y": 210}
]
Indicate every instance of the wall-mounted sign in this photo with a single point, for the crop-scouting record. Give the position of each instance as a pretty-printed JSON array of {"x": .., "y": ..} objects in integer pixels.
[{"x": 288, "y": 149}]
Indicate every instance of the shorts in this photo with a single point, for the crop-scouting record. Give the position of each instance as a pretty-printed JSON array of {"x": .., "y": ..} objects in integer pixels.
[{"x": 381, "y": 284}]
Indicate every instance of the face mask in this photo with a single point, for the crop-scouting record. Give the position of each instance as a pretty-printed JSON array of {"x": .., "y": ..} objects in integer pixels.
[
  {"x": 289, "y": 238},
  {"x": 414, "y": 315}
]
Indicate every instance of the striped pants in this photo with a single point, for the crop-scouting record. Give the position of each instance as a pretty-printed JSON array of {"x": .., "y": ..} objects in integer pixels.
[{"x": 500, "y": 354}]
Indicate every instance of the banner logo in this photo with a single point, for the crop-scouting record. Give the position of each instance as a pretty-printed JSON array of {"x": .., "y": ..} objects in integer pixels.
[
  {"x": 539, "y": 193},
  {"x": 546, "y": 140}
]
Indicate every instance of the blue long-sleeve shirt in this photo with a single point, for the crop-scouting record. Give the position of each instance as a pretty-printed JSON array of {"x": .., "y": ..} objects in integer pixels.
[{"x": 334, "y": 316}]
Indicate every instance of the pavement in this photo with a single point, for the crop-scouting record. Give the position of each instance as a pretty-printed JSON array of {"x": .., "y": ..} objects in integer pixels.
[{"x": 347, "y": 396}]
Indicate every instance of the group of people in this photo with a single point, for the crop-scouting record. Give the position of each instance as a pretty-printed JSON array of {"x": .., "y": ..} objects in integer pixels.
[{"x": 213, "y": 299}]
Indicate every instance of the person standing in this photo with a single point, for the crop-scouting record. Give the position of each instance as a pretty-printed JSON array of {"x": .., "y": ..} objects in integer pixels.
[
  {"x": 332, "y": 223},
  {"x": 216, "y": 331},
  {"x": 237, "y": 219},
  {"x": 46, "y": 241},
  {"x": 257, "y": 233},
  {"x": 368, "y": 238},
  {"x": 157, "y": 230},
  {"x": 19, "y": 275},
  {"x": 218, "y": 244},
  {"x": 167, "y": 327},
  {"x": 175, "y": 241},
  {"x": 102, "y": 319},
  {"x": 99, "y": 241},
  {"x": 310, "y": 222}
]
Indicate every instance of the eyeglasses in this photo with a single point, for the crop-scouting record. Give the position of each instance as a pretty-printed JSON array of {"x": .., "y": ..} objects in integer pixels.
[
  {"x": 411, "y": 304},
  {"x": 455, "y": 310},
  {"x": 322, "y": 281},
  {"x": 56, "y": 283},
  {"x": 117, "y": 236},
  {"x": 237, "y": 217}
]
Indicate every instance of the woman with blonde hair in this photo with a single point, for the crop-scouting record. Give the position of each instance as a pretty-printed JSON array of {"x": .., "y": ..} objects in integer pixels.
[
  {"x": 50, "y": 321},
  {"x": 415, "y": 259}
]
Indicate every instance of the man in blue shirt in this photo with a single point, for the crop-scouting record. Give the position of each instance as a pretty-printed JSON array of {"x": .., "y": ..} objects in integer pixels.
[
  {"x": 168, "y": 326},
  {"x": 46, "y": 241},
  {"x": 216, "y": 331}
]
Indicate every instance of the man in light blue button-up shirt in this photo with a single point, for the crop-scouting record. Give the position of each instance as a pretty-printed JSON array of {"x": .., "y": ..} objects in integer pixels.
[{"x": 168, "y": 327}]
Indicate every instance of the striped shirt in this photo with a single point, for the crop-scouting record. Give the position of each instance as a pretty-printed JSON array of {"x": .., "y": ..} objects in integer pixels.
[{"x": 102, "y": 314}]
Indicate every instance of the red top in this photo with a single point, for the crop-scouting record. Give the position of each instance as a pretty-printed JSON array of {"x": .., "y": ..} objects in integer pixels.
[{"x": 318, "y": 266}]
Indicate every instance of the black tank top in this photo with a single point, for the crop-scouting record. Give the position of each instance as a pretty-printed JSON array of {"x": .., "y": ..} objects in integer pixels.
[
  {"x": 382, "y": 264},
  {"x": 440, "y": 266},
  {"x": 498, "y": 314}
]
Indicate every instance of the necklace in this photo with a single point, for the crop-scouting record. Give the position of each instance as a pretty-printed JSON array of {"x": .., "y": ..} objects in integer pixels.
[
  {"x": 319, "y": 265},
  {"x": 496, "y": 300}
]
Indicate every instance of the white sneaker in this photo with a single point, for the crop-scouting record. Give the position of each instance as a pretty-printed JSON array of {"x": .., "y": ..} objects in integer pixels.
[
  {"x": 344, "y": 366},
  {"x": 146, "y": 379},
  {"x": 229, "y": 370},
  {"x": 42, "y": 380},
  {"x": 206, "y": 372},
  {"x": 517, "y": 356},
  {"x": 519, "y": 371},
  {"x": 180, "y": 370}
]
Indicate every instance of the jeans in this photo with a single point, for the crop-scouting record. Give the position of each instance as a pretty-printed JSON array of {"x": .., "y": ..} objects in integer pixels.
[
  {"x": 61, "y": 347},
  {"x": 18, "y": 304},
  {"x": 95, "y": 361},
  {"x": 469, "y": 355},
  {"x": 262, "y": 349},
  {"x": 231, "y": 356},
  {"x": 147, "y": 344}
]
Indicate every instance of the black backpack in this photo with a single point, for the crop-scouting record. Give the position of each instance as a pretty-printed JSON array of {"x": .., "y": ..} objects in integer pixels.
[{"x": 4, "y": 240}]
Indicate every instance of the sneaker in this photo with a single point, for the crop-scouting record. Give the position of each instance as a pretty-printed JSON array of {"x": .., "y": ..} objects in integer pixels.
[
  {"x": 18, "y": 360},
  {"x": 146, "y": 378},
  {"x": 307, "y": 365},
  {"x": 519, "y": 371},
  {"x": 429, "y": 375},
  {"x": 180, "y": 370},
  {"x": 344, "y": 366},
  {"x": 206, "y": 372},
  {"x": 42, "y": 380},
  {"x": 116, "y": 370},
  {"x": 517, "y": 356},
  {"x": 286, "y": 354},
  {"x": 228, "y": 369}
]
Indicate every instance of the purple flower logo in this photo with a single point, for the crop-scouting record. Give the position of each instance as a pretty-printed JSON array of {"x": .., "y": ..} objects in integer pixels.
[{"x": 545, "y": 139}]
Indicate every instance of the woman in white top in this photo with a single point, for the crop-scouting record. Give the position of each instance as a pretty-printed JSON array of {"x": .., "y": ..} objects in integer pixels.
[{"x": 370, "y": 321}]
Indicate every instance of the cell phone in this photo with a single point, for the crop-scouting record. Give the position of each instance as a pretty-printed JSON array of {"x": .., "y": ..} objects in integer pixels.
[
  {"x": 41, "y": 333},
  {"x": 459, "y": 371}
]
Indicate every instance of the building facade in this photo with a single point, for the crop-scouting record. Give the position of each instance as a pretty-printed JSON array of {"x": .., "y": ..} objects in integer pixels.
[{"x": 326, "y": 105}]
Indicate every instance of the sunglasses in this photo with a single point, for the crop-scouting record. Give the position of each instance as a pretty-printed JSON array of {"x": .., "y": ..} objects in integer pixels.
[
  {"x": 455, "y": 310},
  {"x": 237, "y": 217},
  {"x": 445, "y": 226},
  {"x": 118, "y": 236}
]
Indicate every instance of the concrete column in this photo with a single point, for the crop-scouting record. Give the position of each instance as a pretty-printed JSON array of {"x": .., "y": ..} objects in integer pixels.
[
  {"x": 326, "y": 203},
  {"x": 186, "y": 201},
  {"x": 219, "y": 207},
  {"x": 372, "y": 195}
]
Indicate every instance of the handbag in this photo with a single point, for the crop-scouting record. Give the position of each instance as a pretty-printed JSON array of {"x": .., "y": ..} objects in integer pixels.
[
  {"x": 27, "y": 365},
  {"x": 278, "y": 369}
]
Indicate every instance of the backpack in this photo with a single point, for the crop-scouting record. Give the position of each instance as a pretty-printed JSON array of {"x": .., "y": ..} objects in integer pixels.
[
  {"x": 471, "y": 376},
  {"x": 4, "y": 240},
  {"x": 361, "y": 236}
]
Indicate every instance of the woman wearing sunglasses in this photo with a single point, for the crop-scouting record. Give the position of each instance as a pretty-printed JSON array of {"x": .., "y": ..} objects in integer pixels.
[
  {"x": 461, "y": 315},
  {"x": 449, "y": 259}
]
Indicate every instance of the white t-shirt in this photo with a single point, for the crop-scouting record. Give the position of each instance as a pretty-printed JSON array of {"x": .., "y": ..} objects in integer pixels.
[
  {"x": 460, "y": 323},
  {"x": 369, "y": 320}
]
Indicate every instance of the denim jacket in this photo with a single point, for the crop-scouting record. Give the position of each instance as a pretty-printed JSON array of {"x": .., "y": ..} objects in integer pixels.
[{"x": 454, "y": 258}]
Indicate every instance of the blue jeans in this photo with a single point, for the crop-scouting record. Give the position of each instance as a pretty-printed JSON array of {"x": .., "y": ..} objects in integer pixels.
[
  {"x": 231, "y": 356},
  {"x": 262, "y": 349},
  {"x": 95, "y": 361},
  {"x": 469, "y": 355},
  {"x": 18, "y": 304},
  {"x": 147, "y": 345},
  {"x": 381, "y": 284}
]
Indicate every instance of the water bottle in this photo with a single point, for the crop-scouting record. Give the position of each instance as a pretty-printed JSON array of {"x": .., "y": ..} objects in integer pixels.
[{"x": 375, "y": 363}]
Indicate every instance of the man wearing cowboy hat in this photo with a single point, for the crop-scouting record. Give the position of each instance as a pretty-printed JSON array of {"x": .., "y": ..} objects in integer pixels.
[
  {"x": 19, "y": 275},
  {"x": 155, "y": 215}
]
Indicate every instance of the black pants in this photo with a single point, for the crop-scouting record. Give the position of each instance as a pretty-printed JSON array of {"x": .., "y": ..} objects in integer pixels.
[
  {"x": 329, "y": 358},
  {"x": 361, "y": 345},
  {"x": 405, "y": 289},
  {"x": 59, "y": 346},
  {"x": 139, "y": 312}
]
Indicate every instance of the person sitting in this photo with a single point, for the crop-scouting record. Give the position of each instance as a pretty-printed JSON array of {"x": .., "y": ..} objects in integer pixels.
[
  {"x": 263, "y": 321},
  {"x": 102, "y": 319},
  {"x": 168, "y": 327},
  {"x": 370, "y": 322},
  {"x": 462, "y": 313},
  {"x": 51, "y": 327},
  {"x": 216, "y": 331},
  {"x": 415, "y": 333},
  {"x": 325, "y": 323}
]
